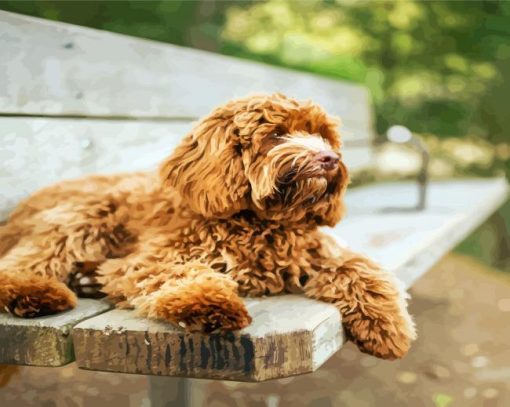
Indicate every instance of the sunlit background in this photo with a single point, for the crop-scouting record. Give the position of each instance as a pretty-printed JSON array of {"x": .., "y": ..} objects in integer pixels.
[{"x": 440, "y": 68}]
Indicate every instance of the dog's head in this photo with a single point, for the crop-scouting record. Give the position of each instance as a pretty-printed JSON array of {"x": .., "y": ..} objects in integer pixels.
[{"x": 270, "y": 154}]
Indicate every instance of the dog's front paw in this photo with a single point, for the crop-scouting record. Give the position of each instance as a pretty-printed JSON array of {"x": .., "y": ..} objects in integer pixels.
[
  {"x": 207, "y": 318},
  {"x": 385, "y": 338},
  {"x": 205, "y": 303},
  {"x": 37, "y": 296}
]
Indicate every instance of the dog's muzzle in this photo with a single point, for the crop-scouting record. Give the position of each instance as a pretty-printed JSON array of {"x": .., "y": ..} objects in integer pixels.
[{"x": 328, "y": 160}]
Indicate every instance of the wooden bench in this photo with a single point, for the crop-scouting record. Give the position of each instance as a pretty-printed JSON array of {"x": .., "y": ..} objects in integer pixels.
[{"x": 76, "y": 100}]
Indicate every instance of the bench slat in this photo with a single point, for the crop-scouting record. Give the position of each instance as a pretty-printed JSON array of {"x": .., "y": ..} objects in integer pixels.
[
  {"x": 291, "y": 334},
  {"x": 60, "y": 69},
  {"x": 411, "y": 242},
  {"x": 121, "y": 342},
  {"x": 43, "y": 341},
  {"x": 57, "y": 149}
]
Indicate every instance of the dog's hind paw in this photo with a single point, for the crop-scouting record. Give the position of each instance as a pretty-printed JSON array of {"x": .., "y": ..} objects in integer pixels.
[{"x": 36, "y": 296}]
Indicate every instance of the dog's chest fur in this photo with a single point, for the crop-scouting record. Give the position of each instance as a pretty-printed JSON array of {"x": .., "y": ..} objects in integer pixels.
[{"x": 263, "y": 257}]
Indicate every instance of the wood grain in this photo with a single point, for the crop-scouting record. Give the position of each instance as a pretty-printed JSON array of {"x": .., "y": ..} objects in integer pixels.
[
  {"x": 289, "y": 335},
  {"x": 43, "y": 341}
]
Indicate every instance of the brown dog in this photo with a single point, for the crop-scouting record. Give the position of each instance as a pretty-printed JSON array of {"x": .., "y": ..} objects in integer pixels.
[{"x": 234, "y": 211}]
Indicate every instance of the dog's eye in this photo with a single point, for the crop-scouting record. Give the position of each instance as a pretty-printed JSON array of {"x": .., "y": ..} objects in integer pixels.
[{"x": 277, "y": 132}]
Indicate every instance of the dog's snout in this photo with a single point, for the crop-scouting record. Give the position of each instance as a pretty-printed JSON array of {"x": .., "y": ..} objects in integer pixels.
[{"x": 328, "y": 159}]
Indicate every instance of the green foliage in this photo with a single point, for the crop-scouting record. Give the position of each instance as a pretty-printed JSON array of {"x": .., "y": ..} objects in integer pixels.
[
  {"x": 491, "y": 241},
  {"x": 432, "y": 66},
  {"x": 442, "y": 400}
]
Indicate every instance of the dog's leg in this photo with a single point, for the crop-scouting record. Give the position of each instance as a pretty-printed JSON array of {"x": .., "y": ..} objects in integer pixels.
[
  {"x": 202, "y": 300},
  {"x": 33, "y": 296},
  {"x": 190, "y": 294},
  {"x": 60, "y": 238},
  {"x": 372, "y": 305}
]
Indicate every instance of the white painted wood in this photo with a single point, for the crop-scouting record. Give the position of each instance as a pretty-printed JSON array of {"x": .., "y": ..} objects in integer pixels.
[
  {"x": 407, "y": 243},
  {"x": 410, "y": 242},
  {"x": 36, "y": 152},
  {"x": 60, "y": 69},
  {"x": 43, "y": 341}
]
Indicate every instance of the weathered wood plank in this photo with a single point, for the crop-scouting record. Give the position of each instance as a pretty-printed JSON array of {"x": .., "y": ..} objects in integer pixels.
[
  {"x": 61, "y": 69},
  {"x": 409, "y": 242},
  {"x": 57, "y": 149},
  {"x": 276, "y": 344},
  {"x": 43, "y": 341},
  {"x": 291, "y": 334}
]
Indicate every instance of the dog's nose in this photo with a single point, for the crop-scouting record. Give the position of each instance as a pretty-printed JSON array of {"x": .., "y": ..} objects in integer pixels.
[{"x": 328, "y": 159}]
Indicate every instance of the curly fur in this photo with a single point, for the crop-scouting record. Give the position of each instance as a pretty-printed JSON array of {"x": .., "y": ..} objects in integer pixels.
[{"x": 234, "y": 211}]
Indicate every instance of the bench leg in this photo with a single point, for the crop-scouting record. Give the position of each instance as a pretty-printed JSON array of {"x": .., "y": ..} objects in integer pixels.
[{"x": 169, "y": 391}]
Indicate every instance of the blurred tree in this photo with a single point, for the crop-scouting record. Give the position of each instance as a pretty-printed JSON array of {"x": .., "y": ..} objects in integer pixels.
[{"x": 437, "y": 67}]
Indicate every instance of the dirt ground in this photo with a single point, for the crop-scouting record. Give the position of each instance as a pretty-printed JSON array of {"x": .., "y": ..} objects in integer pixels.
[{"x": 462, "y": 358}]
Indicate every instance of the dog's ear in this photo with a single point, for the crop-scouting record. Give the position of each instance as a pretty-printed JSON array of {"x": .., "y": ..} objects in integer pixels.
[{"x": 207, "y": 169}]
